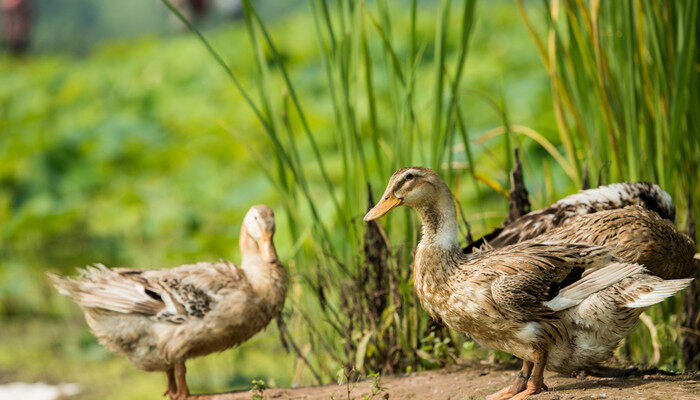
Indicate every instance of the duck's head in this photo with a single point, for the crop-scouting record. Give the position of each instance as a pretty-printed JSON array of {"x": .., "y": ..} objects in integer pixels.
[
  {"x": 257, "y": 232},
  {"x": 414, "y": 187}
]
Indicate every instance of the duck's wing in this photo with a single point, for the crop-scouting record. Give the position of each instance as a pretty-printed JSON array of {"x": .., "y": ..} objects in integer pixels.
[
  {"x": 195, "y": 289},
  {"x": 609, "y": 197},
  {"x": 173, "y": 295},
  {"x": 535, "y": 280},
  {"x": 636, "y": 235}
]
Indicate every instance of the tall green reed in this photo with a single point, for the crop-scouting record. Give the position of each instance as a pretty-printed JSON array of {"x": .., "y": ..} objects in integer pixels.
[{"x": 622, "y": 75}]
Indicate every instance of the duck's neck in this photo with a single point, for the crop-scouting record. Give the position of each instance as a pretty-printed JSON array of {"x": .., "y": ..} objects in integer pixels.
[
  {"x": 439, "y": 224},
  {"x": 268, "y": 279},
  {"x": 438, "y": 252}
]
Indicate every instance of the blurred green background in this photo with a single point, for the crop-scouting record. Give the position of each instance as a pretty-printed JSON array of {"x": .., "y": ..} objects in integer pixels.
[{"x": 122, "y": 142}]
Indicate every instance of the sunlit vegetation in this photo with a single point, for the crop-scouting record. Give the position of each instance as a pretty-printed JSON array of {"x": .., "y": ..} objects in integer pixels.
[{"x": 145, "y": 154}]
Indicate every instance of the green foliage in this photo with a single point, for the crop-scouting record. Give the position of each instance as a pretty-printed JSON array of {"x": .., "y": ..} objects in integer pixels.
[
  {"x": 622, "y": 76},
  {"x": 257, "y": 389},
  {"x": 376, "y": 389}
]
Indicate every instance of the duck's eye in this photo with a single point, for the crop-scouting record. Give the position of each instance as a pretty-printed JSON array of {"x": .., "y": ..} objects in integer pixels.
[{"x": 408, "y": 177}]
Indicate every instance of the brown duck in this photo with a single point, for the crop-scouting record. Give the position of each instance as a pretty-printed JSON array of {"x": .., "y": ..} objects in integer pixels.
[
  {"x": 563, "y": 306},
  {"x": 161, "y": 318}
]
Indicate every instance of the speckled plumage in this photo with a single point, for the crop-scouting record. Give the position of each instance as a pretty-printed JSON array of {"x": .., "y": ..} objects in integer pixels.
[
  {"x": 560, "y": 304},
  {"x": 610, "y": 197},
  {"x": 161, "y": 318},
  {"x": 635, "y": 220},
  {"x": 499, "y": 298},
  {"x": 636, "y": 235}
]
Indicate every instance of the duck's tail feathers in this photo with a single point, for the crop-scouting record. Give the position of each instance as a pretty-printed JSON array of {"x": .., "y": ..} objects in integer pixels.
[
  {"x": 99, "y": 287},
  {"x": 660, "y": 291},
  {"x": 65, "y": 286},
  {"x": 591, "y": 283}
]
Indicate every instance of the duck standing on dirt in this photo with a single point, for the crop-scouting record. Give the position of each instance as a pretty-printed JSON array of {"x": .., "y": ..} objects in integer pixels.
[
  {"x": 161, "y": 318},
  {"x": 553, "y": 304}
]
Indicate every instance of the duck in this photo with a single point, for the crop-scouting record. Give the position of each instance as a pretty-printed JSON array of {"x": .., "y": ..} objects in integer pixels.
[
  {"x": 161, "y": 318},
  {"x": 614, "y": 196},
  {"x": 635, "y": 220},
  {"x": 556, "y": 305}
]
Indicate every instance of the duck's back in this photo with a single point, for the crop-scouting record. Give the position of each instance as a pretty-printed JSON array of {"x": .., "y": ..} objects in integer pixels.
[
  {"x": 610, "y": 197},
  {"x": 230, "y": 313},
  {"x": 636, "y": 235}
]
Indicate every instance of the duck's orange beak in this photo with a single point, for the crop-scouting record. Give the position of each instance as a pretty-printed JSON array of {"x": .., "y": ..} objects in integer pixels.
[
  {"x": 385, "y": 205},
  {"x": 267, "y": 248}
]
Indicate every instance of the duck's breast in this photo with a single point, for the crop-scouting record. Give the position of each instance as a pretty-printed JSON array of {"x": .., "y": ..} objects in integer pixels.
[{"x": 470, "y": 309}]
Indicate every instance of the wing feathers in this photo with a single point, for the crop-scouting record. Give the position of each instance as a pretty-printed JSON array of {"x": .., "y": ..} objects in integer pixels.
[
  {"x": 661, "y": 290},
  {"x": 591, "y": 283},
  {"x": 610, "y": 197},
  {"x": 99, "y": 287}
]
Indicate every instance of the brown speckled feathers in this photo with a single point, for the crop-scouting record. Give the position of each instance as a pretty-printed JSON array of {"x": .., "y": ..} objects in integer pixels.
[
  {"x": 173, "y": 295},
  {"x": 609, "y": 197},
  {"x": 549, "y": 301},
  {"x": 635, "y": 235}
]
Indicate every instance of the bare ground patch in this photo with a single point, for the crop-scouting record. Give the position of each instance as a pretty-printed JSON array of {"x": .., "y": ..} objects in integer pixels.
[{"x": 475, "y": 382}]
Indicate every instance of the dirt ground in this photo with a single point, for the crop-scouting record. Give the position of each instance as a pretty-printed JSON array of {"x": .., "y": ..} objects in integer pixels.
[{"x": 463, "y": 383}]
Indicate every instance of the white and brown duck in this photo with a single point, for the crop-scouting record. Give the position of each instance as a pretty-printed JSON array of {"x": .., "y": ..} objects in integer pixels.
[
  {"x": 560, "y": 306},
  {"x": 161, "y": 318}
]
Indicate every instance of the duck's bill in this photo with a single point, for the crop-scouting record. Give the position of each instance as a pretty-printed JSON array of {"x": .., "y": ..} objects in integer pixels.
[
  {"x": 267, "y": 249},
  {"x": 384, "y": 206}
]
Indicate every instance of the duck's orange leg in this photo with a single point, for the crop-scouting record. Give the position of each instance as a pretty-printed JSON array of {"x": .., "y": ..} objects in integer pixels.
[
  {"x": 183, "y": 392},
  {"x": 536, "y": 382},
  {"x": 518, "y": 385},
  {"x": 172, "y": 387}
]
